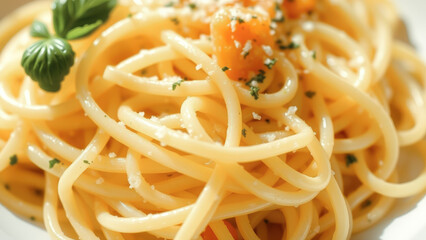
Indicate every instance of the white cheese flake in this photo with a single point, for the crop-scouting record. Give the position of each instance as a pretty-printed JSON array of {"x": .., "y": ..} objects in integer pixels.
[
  {"x": 100, "y": 180},
  {"x": 291, "y": 110},
  {"x": 256, "y": 116},
  {"x": 267, "y": 49},
  {"x": 161, "y": 132},
  {"x": 247, "y": 47},
  {"x": 135, "y": 181}
]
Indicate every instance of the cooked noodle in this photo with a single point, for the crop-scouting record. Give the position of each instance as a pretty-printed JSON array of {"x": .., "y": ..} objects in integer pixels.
[{"x": 156, "y": 139}]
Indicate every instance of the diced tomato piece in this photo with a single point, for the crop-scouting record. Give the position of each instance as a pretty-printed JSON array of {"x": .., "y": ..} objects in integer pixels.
[
  {"x": 295, "y": 8},
  {"x": 238, "y": 35}
]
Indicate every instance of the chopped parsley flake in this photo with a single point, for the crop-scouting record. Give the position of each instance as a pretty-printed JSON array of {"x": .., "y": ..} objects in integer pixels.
[
  {"x": 257, "y": 78},
  {"x": 13, "y": 160},
  {"x": 129, "y": 15},
  {"x": 32, "y": 218},
  {"x": 366, "y": 203},
  {"x": 314, "y": 54},
  {"x": 225, "y": 68},
  {"x": 254, "y": 91},
  {"x": 254, "y": 16},
  {"x": 240, "y": 20},
  {"x": 192, "y": 6},
  {"x": 244, "y": 132},
  {"x": 86, "y": 161},
  {"x": 246, "y": 54},
  {"x": 310, "y": 94},
  {"x": 144, "y": 71},
  {"x": 53, "y": 162},
  {"x": 270, "y": 63},
  {"x": 278, "y": 20},
  {"x": 277, "y": 6},
  {"x": 175, "y": 20},
  {"x": 291, "y": 45},
  {"x": 280, "y": 17},
  {"x": 175, "y": 84},
  {"x": 170, "y": 4},
  {"x": 350, "y": 159}
]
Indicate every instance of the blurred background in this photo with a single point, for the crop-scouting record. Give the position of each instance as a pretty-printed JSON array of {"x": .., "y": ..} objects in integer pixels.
[{"x": 8, "y": 5}]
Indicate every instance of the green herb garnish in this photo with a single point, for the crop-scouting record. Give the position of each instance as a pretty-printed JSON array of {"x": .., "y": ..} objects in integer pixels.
[
  {"x": 240, "y": 20},
  {"x": 257, "y": 78},
  {"x": 314, "y": 54},
  {"x": 53, "y": 162},
  {"x": 50, "y": 59},
  {"x": 244, "y": 132},
  {"x": 86, "y": 161},
  {"x": 175, "y": 84},
  {"x": 175, "y": 20},
  {"x": 291, "y": 45},
  {"x": 192, "y": 6},
  {"x": 270, "y": 63},
  {"x": 350, "y": 159},
  {"x": 225, "y": 68},
  {"x": 32, "y": 218},
  {"x": 278, "y": 20},
  {"x": 310, "y": 94},
  {"x": 246, "y": 54},
  {"x": 278, "y": 9},
  {"x": 254, "y": 91},
  {"x": 13, "y": 160},
  {"x": 170, "y": 4}
]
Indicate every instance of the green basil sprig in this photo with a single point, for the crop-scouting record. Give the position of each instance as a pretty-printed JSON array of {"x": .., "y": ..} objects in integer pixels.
[{"x": 50, "y": 59}]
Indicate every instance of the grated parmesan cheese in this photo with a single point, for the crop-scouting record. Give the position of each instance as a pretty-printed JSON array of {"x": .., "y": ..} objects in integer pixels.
[
  {"x": 256, "y": 116},
  {"x": 100, "y": 180},
  {"x": 267, "y": 49},
  {"x": 247, "y": 47}
]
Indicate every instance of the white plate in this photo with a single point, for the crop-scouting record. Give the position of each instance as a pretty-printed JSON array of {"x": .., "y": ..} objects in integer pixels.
[{"x": 405, "y": 221}]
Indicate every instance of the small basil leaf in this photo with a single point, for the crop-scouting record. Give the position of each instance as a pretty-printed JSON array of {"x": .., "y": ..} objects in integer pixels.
[
  {"x": 48, "y": 61},
  {"x": 39, "y": 29},
  {"x": 80, "y": 17},
  {"x": 85, "y": 30}
]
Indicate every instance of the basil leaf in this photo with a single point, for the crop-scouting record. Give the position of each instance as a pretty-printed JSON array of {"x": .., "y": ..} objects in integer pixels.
[
  {"x": 83, "y": 31},
  {"x": 73, "y": 19},
  {"x": 39, "y": 29},
  {"x": 48, "y": 61}
]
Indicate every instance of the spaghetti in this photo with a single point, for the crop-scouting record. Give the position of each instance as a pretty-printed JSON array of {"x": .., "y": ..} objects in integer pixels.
[{"x": 215, "y": 120}]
